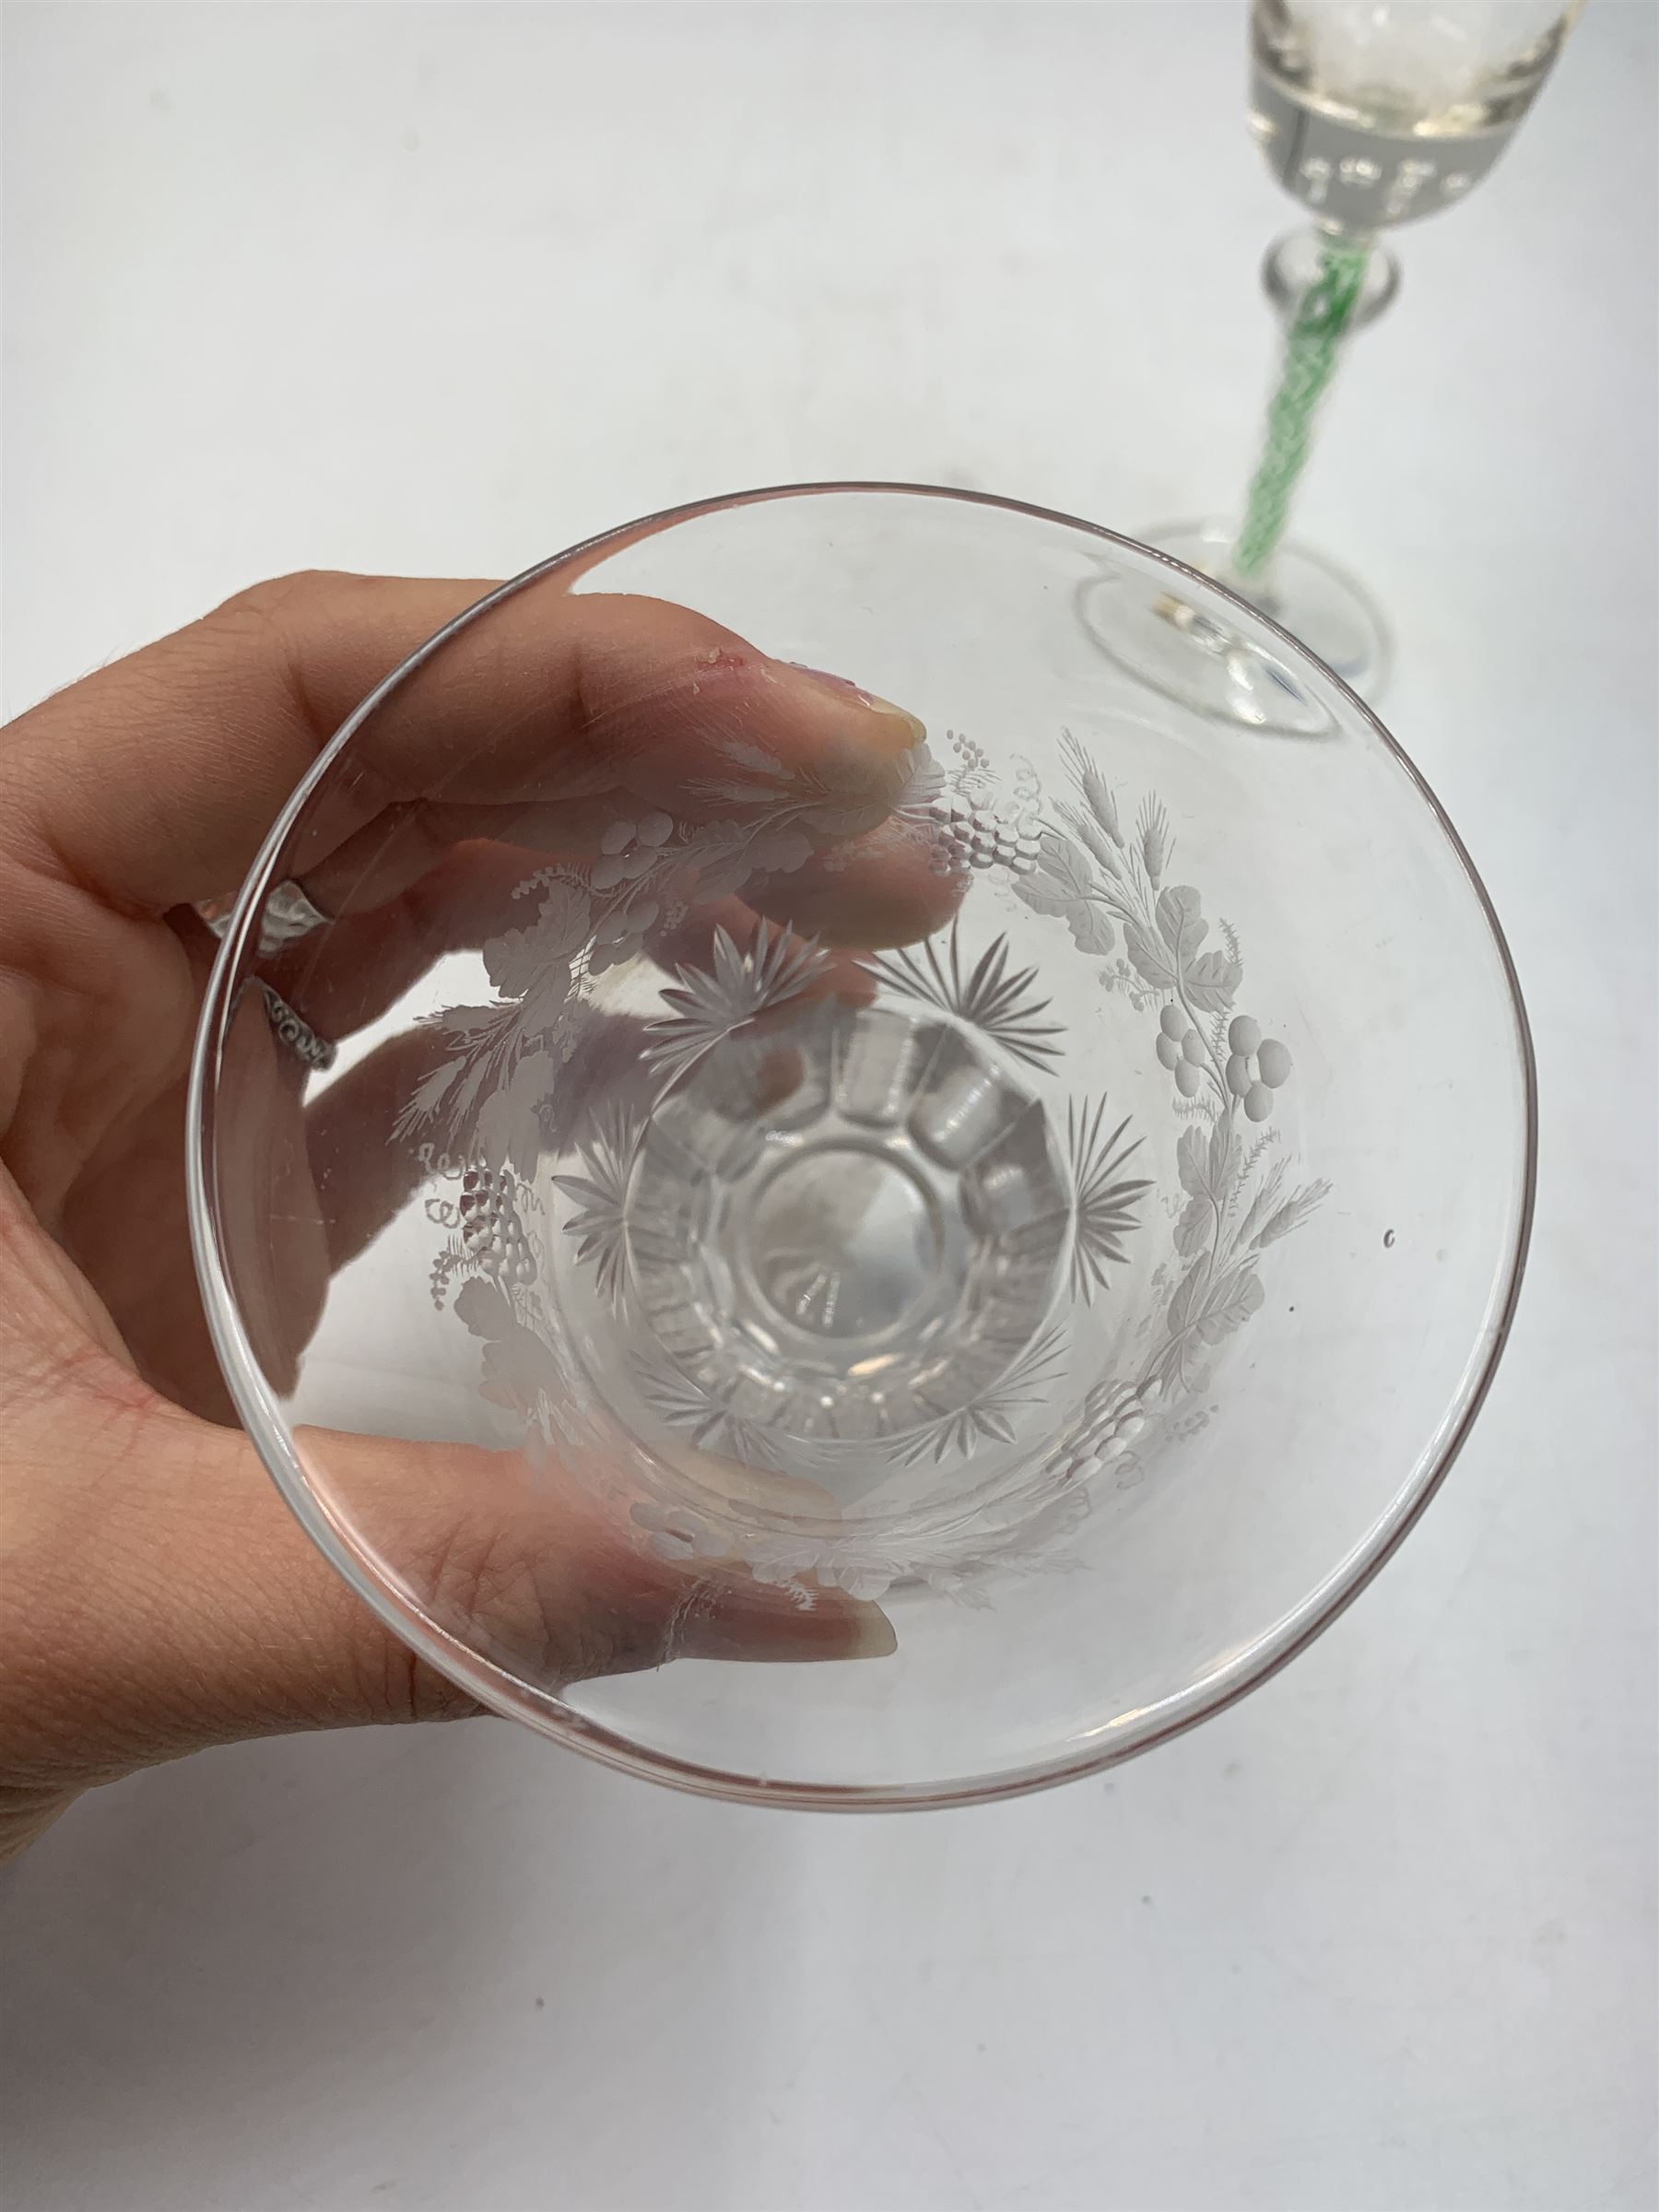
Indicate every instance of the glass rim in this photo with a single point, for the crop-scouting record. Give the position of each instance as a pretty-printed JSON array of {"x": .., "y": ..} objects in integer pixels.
[{"x": 499, "y": 1692}]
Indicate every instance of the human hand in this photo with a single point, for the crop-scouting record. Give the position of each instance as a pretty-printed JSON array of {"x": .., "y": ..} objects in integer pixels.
[{"x": 157, "y": 1597}]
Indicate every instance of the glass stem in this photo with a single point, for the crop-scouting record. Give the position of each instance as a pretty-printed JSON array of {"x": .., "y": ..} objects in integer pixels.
[{"x": 1318, "y": 325}]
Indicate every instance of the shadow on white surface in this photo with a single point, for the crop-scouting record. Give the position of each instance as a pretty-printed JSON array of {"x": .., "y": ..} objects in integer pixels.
[{"x": 456, "y": 1970}]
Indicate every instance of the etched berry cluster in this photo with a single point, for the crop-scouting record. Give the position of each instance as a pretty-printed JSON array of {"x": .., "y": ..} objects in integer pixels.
[
  {"x": 970, "y": 833},
  {"x": 492, "y": 1231}
]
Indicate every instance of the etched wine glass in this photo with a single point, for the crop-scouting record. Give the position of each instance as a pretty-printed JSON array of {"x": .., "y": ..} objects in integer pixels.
[
  {"x": 1373, "y": 113},
  {"x": 959, "y": 1176}
]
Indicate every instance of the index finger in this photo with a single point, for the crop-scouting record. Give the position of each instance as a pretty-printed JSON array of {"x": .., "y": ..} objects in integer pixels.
[{"x": 155, "y": 781}]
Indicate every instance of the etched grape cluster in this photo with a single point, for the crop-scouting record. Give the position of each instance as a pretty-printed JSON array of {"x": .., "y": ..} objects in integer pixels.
[
  {"x": 1256, "y": 1067},
  {"x": 1114, "y": 1415},
  {"x": 1182, "y": 1050},
  {"x": 492, "y": 1230},
  {"x": 970, "y": 833},
  {"x": 630, "y": 850}
]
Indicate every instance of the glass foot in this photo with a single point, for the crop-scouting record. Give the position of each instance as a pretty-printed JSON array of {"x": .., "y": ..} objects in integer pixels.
[{"x": 1188, "y": 656}]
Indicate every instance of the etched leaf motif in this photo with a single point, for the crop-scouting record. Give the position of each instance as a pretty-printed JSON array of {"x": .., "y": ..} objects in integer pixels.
[
  {"x": 544, "y": 1001},
  {"x": 713, "y": 1004},
  {"x": 508, "y": 1128},
  {"x": 1265, "y": 1202},
  {"x": 1207, "y": 1162},
  {"x": 519, "y": 1369},
  {"x": 990, "y": 999},
  {"x": 1094, "y": 787},
  {"x": 760, "y": 775},
  {"x": 923, "y": 784},
  {"x": 1180, "y": 1305},
  {"x": 719, "y": 853},
  {"x": 516, "y": 960},
  {"x": 475, "y": 1025},
  {"x": 1165, "y": 968},
  {"x": 1180, "y": 923},
  {"x": 779, "y": 852},
  {"x": 1189, "y": 1292},
  {"x": 723, "y": 856},
  {"x": 1152, "y": 828},
  {"x": 1207, "y": 1310},
  {"x": 1190, "y": 1163},
  {"x": 1062, "y": 875},
  {"x": 1212, "y": 981},
  {"x": 520, "y": 1373},
  {"x": 427, "y": 1096},
  {"x": 1063, "y": 883},
  {"x": 845, "y": 799},
  {"x": 1091, "y": 930},
  {"x": 1172, "y": 960},
  {"x": 1192, "y": 1229},
  {"x": 474, "y": 1074},
  {"x": 1223, "y": 1159},
  {"x": 742, "y": 754},
  {"x": 1292, "y": 1213},
  {"x": 1150, "y": 961},
  {"x": 1229, "y": 1305},
  {"x": 1088, "y": 827},
  {"x": 486, "y": 1309},
  {"x": 485, "y": 1042}
]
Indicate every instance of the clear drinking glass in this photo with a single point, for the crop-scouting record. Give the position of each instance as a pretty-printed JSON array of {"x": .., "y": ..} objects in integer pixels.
[
  {"x": 1002, "y": 1204},
  {"x": 1373, "y": 113}
]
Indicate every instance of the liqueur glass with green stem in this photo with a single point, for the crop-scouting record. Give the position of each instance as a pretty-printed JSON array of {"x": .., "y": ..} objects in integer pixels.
[{"x": 1372, "y": 116}]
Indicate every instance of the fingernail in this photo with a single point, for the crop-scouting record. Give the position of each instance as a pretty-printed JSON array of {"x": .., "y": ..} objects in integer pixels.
[
  {"x": 842, "y": 688},
  {"x": 873, "y": 1632},
  {"x": 767, "y": 1623}
]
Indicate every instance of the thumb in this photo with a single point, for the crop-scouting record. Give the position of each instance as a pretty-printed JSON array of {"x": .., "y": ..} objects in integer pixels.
[{"x": 163, "y": 1598}]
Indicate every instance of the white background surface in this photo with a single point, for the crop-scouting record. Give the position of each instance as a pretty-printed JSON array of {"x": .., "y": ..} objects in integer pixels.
[{"x": 444, "y": 288}]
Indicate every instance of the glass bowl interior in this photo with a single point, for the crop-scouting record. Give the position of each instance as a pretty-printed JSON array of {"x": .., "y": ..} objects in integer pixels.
[{"x": 813, "y": 1189}]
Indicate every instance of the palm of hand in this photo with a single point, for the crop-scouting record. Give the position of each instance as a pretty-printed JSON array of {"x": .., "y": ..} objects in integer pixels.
[{"x": 161, "y": 1598}]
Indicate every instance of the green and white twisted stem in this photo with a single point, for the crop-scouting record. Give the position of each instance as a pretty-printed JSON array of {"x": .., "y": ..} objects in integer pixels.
[{"x": 1312, "y": 349}]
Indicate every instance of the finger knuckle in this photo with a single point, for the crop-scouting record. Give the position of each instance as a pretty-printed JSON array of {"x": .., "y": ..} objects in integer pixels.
[
  {"x": 482, "y": 1585},
  {"x": 275, "y": 596}
]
